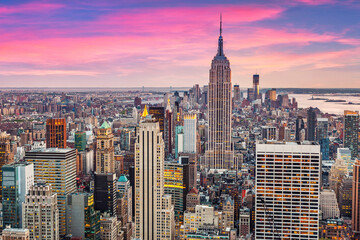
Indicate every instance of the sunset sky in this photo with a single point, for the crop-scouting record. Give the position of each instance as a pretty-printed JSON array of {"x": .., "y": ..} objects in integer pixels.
[{"x": 161, "y": 43}]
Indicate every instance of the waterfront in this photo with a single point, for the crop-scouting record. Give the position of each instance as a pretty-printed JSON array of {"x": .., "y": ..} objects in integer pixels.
[{"x": 328, "y": 107}]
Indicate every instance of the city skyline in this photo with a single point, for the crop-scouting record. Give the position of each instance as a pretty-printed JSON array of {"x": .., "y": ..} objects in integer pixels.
[{"x": 312, "y": 43}]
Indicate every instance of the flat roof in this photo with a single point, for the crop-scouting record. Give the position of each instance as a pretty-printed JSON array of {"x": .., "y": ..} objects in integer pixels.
[{"x": 57, "y": 150}]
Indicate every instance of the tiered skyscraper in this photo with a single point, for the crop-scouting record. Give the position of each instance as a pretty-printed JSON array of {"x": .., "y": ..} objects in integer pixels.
[{"x": 219, "y": 154}]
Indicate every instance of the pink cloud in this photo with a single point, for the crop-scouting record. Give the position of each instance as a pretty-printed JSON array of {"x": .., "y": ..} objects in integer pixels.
[
  {"x": 164, "y": 44},
  {"x": 317, "y": 2},
  {"x": 29, "y": 8}
]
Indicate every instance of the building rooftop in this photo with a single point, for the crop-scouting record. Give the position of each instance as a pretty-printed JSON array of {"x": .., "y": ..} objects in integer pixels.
[
  {"x": 57, "y": 150},
  {"x": 105, "y": 125},
  {"x": 122, "y": 178}
]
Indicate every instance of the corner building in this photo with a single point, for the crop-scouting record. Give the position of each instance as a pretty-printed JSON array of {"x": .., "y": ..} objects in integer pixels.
[{"x": 287, "y": 190}]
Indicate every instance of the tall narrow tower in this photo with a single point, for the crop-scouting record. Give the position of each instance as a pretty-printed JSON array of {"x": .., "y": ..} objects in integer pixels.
[
  {"x": 105, "y": 150},
  {"x": 219, "y": 154},
  {"x": 152, "y": 207}
]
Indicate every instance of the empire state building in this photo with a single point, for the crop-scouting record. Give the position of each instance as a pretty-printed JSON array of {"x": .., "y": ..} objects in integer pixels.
[{"x": 219, "y": 153}]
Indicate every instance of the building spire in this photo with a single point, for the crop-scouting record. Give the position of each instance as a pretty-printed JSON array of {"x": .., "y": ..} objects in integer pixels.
[
  {"x": 220, "y": 51},
  {"x": 220, "y": 24}
]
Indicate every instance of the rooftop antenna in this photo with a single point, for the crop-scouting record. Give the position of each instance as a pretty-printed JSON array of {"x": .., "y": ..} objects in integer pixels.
[{"x": 220, "y": 24}]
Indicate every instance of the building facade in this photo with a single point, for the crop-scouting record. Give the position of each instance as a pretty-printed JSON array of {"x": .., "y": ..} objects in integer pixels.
[
  {"x": 57, "y": 167},
  {"x": 150, "y": 202},
  {"x": 17, "y": 180},
  {"x": 56, "y": 133},
  {"x": 41, "y": 213},
  {"x": 351, "y": 132},
  {"x": 190, "y": 133},
  {"x": 82, "y": 219},
  {"x": 287, "y": 190}
]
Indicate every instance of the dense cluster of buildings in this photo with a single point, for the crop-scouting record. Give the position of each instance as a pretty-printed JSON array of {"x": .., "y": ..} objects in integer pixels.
[{"x": 205, "y": 163}]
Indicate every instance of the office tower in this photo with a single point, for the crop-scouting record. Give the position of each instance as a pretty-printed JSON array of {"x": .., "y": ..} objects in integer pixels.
[
  {"x": 197, "y": 93},
  {"x": 159, "y": 114},
  {"x": 322, "y": 129},
  {"x": 204, "y": 94},
  {"x": 190, "y": 133},
  {"x": 40, "y": 212},
  {"x": 179, "y": 140},
  {"x": 328, "y": 204},
  {"x": 168, "y": 126},
  {"x": 237, "y": 95},
  {"x": 287, "y": 190},
  {"x": 351, "y": 132},
  {"x": 345, "y": 196},
  {"x": 105, "y": 192},
  {"x": 269, "y": 133},
  {"x": 219, "y": 154},
  {"x": 17, "y": 180},
  {"x": 355, "y": 224},
  {"x": 322, "y": 137},
  {"x": 6, "y": 154},
  {"x": 80, "y": 141},
  {"x": 137, "y": 101},
  {"x": 150, "y": 202},
  {"x": 15, "y": 234},
  {"x": 176, "y": 182},
  {"x": 256, "y": 87},
  {"x": 250, "y": 94},
  {"x": 56, "y": 133},
  {"x": 124, "y": 190},
  {"x": 57, "y": 167},
  {"x": 345, "y": 154},
  {"x": 105, "y": 149},
  {"x": 83, "y": 221},
  {"x": 311, "y": 124},
  {"x": 300, "y": 125}
]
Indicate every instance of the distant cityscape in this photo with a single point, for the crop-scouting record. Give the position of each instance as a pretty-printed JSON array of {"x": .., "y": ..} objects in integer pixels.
[{"x": 210, "y": 162}]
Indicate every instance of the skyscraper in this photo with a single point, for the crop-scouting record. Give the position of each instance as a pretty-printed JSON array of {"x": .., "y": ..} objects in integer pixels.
[
  {"x": 57, "y": 167},
  {"x": 105, "y": 193},
  {"x": 287, "y": 190},
  {"x": 17, "y": 180},
  {"x": 311, "y": 124},
  {"x": 356, "y": 200},
  {"x": 299, "y": 126},
  {"x": 41, "y": 213},
  {"x": 82, "y": 219},
  {"x": 80, "y": 141},
  {"x": 105, "y": 149},
  {"x": 322, "y": 137},
  {"x": 190, "y": 133},
  {"x": 219, "y": 154},
  {"x": 351, "y": 131},
  {"x": 237, "y": 95},
  {"x": 256, "y": 87},
  {"x": 6, "y": 154},
  {"x": 56, "y": 133},
  {"x": 151, "y": 205},
  {"x": 168, "y": 128}
]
